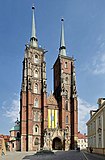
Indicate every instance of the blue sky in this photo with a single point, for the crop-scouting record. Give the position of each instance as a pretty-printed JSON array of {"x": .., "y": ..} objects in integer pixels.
[{"x": 84, "y": 38}]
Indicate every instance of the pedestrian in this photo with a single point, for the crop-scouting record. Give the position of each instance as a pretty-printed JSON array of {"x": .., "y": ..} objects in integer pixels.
[{"x": 91, "y": 149}]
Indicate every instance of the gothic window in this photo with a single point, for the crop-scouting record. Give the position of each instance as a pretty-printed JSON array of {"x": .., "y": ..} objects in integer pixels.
[
  {"x": 100, "y": 140},
  {"x": 36, "y": 129},
  {"x": 66, "y": 80},
  {"x": 65, "y": 64},
  {"x": 36, "y": 88},
  {"x": 66, "y": 94},
  {"x": 66, "y": 119},
  {"x": 36, "y": 73},
  {"x": 36, "y": 141},
  {"x": 36, "y": 59},
  {"x": 66, "y": 106},
  {"x": 36, "y": 103}
]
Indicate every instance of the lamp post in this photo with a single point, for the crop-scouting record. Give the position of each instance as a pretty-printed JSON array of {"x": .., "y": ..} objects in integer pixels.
[
  {"x": 45, "y": 134},
  {"x": 64, "y": 135}
]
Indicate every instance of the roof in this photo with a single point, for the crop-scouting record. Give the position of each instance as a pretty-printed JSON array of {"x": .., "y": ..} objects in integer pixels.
[
  {"x": 81, "y": 136},
  {"x": 51, "y": 100},
  {"x": 15, "y": 128}
]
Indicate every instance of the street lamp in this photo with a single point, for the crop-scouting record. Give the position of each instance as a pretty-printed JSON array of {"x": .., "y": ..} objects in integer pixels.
[
  {"x": 64, "y": 136},
  {"x": 45, "y": 134}
]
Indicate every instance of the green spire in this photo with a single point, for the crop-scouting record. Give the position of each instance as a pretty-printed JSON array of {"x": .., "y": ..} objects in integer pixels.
[
  {"x": 62, "y": 49},
  {"x": 33, "y": 40}
]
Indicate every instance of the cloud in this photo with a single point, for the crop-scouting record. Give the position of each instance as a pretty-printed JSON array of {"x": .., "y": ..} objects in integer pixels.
[
  {"x": 98, "y": 61},
  {"x": 11, "y": 109},
  {"x": 98, "y": 65},
  {"x": 83, "y": 114}
]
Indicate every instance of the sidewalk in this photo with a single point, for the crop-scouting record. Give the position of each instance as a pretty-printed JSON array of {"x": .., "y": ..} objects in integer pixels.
[
  {"x": 16, "y": 155},
  {"x": 94, "y": 155}
]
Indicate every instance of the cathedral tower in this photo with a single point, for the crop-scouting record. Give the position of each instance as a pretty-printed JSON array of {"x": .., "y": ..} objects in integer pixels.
[
  {"x": 33, "y": 94},
  {"x": 65, "y": 90}
]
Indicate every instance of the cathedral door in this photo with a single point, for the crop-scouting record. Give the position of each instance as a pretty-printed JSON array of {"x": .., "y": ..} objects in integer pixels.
[{"x": 57, "y": 144}]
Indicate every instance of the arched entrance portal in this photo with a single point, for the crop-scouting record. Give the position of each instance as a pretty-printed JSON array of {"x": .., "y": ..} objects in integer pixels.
[{"x": 57, "y": 144}]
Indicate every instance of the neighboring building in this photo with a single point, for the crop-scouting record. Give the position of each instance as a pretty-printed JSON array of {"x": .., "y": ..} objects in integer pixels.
[
  {"x": 82, "y": 141},
  {"x": 6, "y": 137},
  {"x": 96, "y": 128},
  {"x": 6, "y": 140},
  {"x": 48, "y": 122},
  {"x": 14, "y": 142},
  {"x": 3, "y": 144}
]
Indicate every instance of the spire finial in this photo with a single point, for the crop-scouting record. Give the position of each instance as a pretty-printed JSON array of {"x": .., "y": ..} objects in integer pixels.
[
  {"x": 33, "y": 40},
  {"x": 62, "y": 49}
]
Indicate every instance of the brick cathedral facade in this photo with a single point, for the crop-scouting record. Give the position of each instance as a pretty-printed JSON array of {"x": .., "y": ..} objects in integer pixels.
[{"x": 48, "y": 122}]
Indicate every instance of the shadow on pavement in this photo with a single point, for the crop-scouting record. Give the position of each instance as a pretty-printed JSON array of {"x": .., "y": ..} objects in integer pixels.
[{"x": 39, "y": 153}]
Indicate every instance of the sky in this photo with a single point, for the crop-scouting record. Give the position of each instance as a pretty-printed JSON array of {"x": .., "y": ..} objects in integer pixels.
[{"x": 84, "y": 23}]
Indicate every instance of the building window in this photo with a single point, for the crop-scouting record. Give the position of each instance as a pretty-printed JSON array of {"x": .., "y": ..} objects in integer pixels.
[
  {"x": 18, "y": 134},
  {"x": 36, "y": 129},
  {"x": 36, "y": 103},
  {"x": 66, "y": 105},
  {"x": 66, "y": 94},
  {"x": 36, "y": 59},
  {"x": 66, "y": 80},
  {"x": 99, "y": 121},
  {"x": 65, "y": 64},
  {"x": 36, "y": 88},
  {"x": 36, "y": 73},
  {"x": 66, "y": 119},
  {"x": 36, "y": 141}
]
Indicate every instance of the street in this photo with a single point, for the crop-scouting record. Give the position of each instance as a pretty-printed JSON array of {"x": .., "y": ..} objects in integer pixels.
[
  {"x": 92, "y": 156},
  {"x": 58, "y": 155}
]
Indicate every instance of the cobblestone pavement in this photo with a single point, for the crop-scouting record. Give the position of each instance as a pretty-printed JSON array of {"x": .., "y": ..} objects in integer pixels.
[
  {"x": 59, "y": 155},
  {"x": 15, "y": 155},
  {"x": 92, "y": 156}
]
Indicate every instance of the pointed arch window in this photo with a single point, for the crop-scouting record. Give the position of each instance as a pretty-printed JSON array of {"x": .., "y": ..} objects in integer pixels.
[
  {"x": 66, "y": 80},
  {"x": 66, "y": 94},
  {"x": 36, "y": 102},
  {"x": 66, "y": 119},
  {"x": 36, "y": 73},
  {"x": 66, "y": 65},
  {"x": 36, "y": 59},
  {"x": 36, "y": 129},
  {"x": 36, "y": 88},
  {"x": 66, "y": 106}
]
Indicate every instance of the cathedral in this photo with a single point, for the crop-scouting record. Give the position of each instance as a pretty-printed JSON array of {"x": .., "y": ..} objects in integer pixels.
[{"x": 48, "y": 122}]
